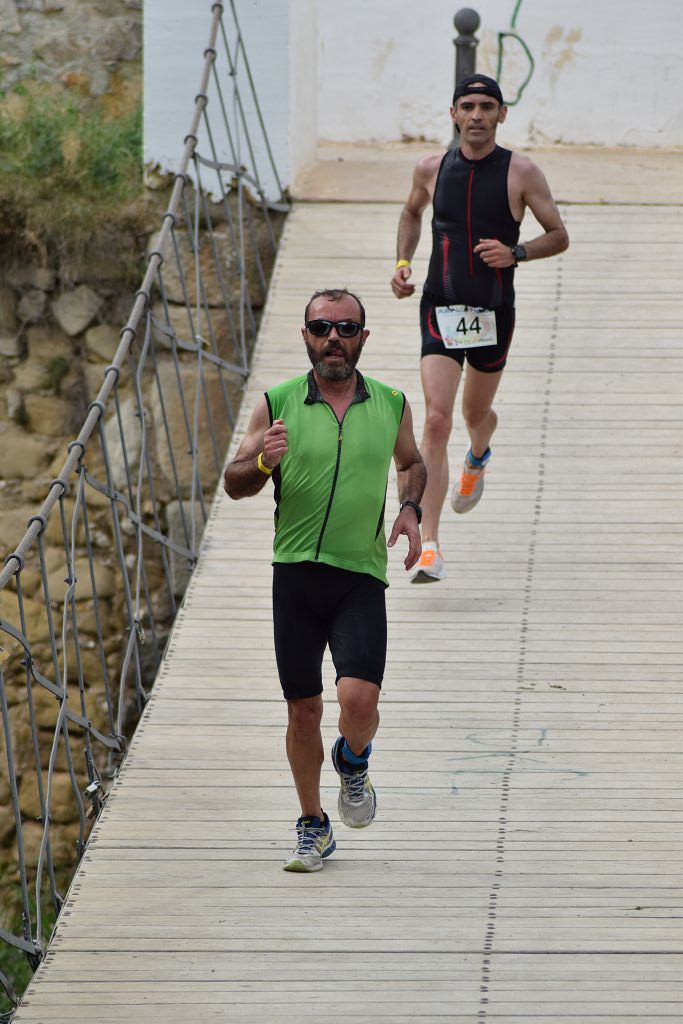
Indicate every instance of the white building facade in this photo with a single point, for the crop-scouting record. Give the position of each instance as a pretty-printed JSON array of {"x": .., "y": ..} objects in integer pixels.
[{"x": 608, "y": 73}]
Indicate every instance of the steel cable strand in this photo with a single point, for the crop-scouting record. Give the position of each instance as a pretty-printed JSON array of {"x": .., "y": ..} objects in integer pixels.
[
  {"x": 146, "y": 465},
  {"x": 223, "y": 288},
  {"x": 255, "y": 99},
  {"x": 93, "y": 776},
  {"x": 60, "y": 726}
]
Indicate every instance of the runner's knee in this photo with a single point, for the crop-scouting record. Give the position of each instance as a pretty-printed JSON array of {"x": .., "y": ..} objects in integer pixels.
[
  {"x": 359, "y": 704},
  {"x": 475, "y": 416},
  {"x": 438, "y": 426}
]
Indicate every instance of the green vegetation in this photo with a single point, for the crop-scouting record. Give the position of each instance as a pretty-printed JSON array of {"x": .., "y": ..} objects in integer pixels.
[
  {"x": 55, "y": 373},
  {"x": 13, "y": 963},
  {"x": 71, "y": 180},
  {"x": 65, "y": 145}
]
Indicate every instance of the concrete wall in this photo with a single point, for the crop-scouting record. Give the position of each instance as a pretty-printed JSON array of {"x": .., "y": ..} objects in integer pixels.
[
  {"x": 605, "y": 73},
  {"x": 176, "y": 35}
]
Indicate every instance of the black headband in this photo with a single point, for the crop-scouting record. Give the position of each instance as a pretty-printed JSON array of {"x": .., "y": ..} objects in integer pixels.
[{"x": 478, "y": 85}]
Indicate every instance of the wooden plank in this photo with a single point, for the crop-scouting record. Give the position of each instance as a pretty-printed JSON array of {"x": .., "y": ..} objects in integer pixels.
[{"x": 525, "y": 861}]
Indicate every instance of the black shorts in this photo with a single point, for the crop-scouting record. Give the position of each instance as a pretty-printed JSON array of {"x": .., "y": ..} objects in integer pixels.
[
  {"x": 315, "y": 604},
  {"x": 487, "y": 359}
]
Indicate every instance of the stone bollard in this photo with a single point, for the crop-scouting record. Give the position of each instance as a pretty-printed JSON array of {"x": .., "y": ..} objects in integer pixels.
[{"x": 466, "y": 23}]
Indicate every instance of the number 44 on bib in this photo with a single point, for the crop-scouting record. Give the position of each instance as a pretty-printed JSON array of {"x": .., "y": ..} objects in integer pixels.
[{"x": 466, "y": 326}]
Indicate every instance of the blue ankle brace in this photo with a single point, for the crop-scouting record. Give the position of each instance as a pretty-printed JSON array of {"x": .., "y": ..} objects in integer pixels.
[
  {"x": 352, "y": 758},
  {"x": 475, "y": 462}
]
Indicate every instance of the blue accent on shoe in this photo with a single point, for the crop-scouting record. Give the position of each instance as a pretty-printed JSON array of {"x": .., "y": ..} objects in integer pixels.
[
  {"x": 310, "y": 830},
  {"x": 355, "y": 759},
  {"x": 475, "y": 462}
]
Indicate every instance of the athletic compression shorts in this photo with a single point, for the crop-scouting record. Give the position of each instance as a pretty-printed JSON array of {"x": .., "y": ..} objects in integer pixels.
[
  {"x": 489, "y": 359},
  {"x": 316, "y": 605}
]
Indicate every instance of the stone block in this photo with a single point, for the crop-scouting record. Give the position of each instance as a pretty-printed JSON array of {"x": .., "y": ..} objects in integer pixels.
[
  {"x": 76, "y": 310},
  {"x": 30, "y": 276},
  {"x": 46, "y": 341},
  {"x": 22, "y": 737},
  {"x": 105, "y": 582},
  {"x": 219, "y": 272},
  {"x": 129, "y": 435},
  {"x": 32, "y": 306},
  {"x": 47, "y": 414},
  {"x": 179, "y": 441},
  {"x": 176, "y": 320},
  {"x": 34, "y": 614},
  {"x": 12, "y": 527},
  {"x": 31, "y": 375},
  {"x": 119, "y": 39},
  {"x": 10, "y": 344},
  {"x": 45, "y": 704},
  {"x": 102, "y": 342},
  {"x": 8, "y": 319},
  {"x": 87, "y": 622},
  {"x": 9, "y": 22},
  {"x": 21, "y": 455},
  {"x": 221, "y": 334},
  {"x": 14, "y": 401},
  {"x": 7, "y": 824},
  {"x": 63, "y": 808}
]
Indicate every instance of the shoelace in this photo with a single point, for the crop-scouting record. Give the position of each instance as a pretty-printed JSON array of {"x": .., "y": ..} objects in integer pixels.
[
  {"x": 467, "y": 482},
  {"x": 355, "y": 785},
  {"x": 308, "y": 838}
]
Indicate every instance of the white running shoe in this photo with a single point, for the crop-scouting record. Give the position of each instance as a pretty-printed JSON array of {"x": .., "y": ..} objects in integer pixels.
[
  {"x": 357, "y": 803},
  {"x": 314, "y": 842},
  {"x": 431, "y": 566},
  {"x": 469, "y": 489}
]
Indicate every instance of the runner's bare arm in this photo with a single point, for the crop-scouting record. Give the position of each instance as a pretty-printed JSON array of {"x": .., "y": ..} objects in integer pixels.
[
  {"x": 410, "y": 222},
  {"x": 243, "y": 478},
  {"x": 412, "y": 477},
  {"x": 533, "y": 190}
]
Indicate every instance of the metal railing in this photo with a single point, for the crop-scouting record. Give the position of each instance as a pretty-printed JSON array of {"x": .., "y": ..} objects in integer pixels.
[{"x": 89, "y": 593}]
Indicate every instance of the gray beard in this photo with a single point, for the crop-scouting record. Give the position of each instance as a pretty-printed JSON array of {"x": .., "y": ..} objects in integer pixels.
[
  {"x": 334, "y": 372},
  {"x": 327, "y": 372}
]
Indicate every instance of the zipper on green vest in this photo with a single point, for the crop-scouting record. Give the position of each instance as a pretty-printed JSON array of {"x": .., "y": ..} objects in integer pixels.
[{"x": 332, "y": 490}]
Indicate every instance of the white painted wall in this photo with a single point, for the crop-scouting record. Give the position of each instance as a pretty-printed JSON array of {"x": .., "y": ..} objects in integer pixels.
[
  {"x": 176, "y": 35},
  {"x": 607, "y": 73}
]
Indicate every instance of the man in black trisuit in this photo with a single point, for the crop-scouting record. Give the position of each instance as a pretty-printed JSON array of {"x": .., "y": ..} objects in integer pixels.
[{"x": 479, "y": 194}]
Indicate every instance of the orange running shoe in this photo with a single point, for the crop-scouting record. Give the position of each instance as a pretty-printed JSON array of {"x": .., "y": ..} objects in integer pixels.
[
  {"x": 431, "y": 566},
  {"x": 469, "y": 490}
]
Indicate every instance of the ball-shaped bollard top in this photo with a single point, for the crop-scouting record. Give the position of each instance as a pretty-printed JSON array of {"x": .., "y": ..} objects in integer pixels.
[{"x": 467, "y": 21}]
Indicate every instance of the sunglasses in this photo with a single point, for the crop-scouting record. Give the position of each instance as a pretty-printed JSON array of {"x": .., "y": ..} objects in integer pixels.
[{"x": 321, "y": 328}]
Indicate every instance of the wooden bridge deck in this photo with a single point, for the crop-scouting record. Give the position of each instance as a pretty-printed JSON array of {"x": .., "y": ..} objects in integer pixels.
[{"x": 525, "y": 860}]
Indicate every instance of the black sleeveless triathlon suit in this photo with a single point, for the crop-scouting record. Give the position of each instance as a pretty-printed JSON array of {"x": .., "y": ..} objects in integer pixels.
[{"x": 470, "y": 203}]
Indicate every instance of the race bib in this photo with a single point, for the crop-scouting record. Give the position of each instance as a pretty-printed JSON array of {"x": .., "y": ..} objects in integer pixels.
[{"x": 466, "y": 326}]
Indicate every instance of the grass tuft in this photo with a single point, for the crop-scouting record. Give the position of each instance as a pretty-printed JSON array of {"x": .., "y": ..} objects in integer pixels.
[{"x": 71, "y": 180}]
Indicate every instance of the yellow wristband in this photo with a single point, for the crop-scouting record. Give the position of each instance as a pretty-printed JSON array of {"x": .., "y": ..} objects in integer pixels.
[
  {"x": 402, "y": 263},
  {"x": 264, "y": 469}
]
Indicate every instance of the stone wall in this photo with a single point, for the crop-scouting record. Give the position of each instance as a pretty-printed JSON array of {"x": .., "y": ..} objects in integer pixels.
[
  {"x": 56, "y": 339},
  {"x": 61, "y": 313},
  {"x": 54, "y": 345},
  {"x": 78, "y": 44}
]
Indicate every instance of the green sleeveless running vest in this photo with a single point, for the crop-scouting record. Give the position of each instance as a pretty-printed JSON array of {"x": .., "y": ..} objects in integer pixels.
[{"x": 331, "y": 486}]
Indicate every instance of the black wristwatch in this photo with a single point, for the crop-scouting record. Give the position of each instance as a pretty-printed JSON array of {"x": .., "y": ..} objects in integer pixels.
[
  {"x": 518, "y": 253},
  {"x": 412, "y": 504}
]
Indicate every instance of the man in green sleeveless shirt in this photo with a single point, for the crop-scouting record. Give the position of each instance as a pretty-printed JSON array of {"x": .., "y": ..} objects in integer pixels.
[{"x": 326, "y": 439}]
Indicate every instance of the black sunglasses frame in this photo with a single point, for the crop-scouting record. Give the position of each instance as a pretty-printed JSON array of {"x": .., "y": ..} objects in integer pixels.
[{"x": 340, "y": 326}]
